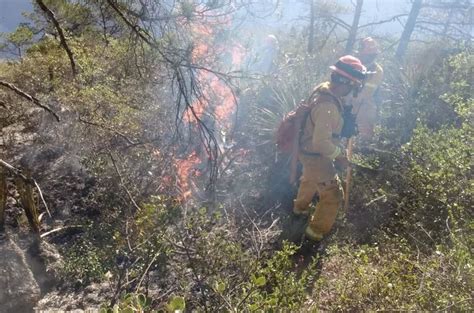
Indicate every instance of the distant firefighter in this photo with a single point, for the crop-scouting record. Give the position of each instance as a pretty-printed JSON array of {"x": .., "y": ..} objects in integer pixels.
[
  {"x": 364, "y": 105},
  {"x": 267, "y": 55}
]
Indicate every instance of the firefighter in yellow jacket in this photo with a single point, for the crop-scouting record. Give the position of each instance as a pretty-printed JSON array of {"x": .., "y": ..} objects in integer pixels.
[
  {"x": 320, "y": 147},
  {"x": 364, "y": 106}
]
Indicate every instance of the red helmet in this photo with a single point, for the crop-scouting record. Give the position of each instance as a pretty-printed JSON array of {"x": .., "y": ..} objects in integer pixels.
[
  {"x": 350, "y": 67},
  {"x": 368, "y": 46}
]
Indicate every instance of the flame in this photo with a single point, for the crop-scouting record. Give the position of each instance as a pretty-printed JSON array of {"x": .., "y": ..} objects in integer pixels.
[
  {"x": 217, "y": 98},
  {"x": 226, "y": 104},
  {"x": 198, "y": 106},
  {"x": 215, "y": 91},
  {"x": 186, "y": 169},
  {"x": 238, "y": 54}
]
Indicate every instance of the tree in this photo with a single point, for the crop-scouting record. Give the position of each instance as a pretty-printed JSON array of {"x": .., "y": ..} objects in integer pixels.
[
  {"x": 322, "y": 22},
  {"x": 52, "y": 17},
  {"x": 17, "y": 41},
  {"x": 449, "y": 20},
  {"x": 408, "y": 30},
  {"x": 311, "y": 26},
  {"x": 354, "y": 27}
]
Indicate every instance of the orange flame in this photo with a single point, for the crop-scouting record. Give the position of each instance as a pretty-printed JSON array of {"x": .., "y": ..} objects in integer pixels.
[
  {"x": 225, "y": 106},
  {"x": 186, "y": 169},
  {"x": 217, "y": 98}
]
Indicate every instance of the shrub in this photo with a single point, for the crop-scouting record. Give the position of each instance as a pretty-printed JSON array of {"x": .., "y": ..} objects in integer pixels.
[{"x": 391, "y": 276}]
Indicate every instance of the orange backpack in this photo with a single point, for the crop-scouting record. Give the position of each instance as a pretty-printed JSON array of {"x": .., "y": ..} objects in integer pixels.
[{"x": 291, "y": 129}]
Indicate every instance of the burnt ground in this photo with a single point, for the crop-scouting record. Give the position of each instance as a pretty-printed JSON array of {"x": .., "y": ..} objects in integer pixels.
[{"x": 67, "y": 190}]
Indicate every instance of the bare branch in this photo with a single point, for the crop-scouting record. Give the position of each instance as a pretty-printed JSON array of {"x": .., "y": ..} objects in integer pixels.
[
  {"x": 130, "y": 141},
  {"x": 129, "y": 194},
  {"x": 59, "y": 229},
  {"x": 62, "y": 38},
  {"x": 28, "y": 97},
  {"x": 393, "y": 18},
  {"x": 323, "y": 44},
  {"x": 338, "y": 21},
  {"x": 137, "y": 29},
  {"x": 438, "y": 33},
  {"x": 14, "y": 171},
  {"x": 42, "y": 198},
  {"x": 440, "y": 23},
  {"x": 452, "y": 5}
]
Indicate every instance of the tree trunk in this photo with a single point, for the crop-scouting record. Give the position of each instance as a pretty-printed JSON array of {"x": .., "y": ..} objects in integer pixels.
[
  {"x": 311, "y": 28},
  {"x": 354, "y": 27},
  {"x": 28, "y": 202},
  {"x": 50, "y": 14},
  {"x": 408, "y": 30}
]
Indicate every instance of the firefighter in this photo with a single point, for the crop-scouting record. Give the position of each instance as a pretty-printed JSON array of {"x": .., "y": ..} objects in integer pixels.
[
  {"x": 364, "y": 105},
  {"x": 267, "y": 56},
  {"x": 320, "y": 147}
]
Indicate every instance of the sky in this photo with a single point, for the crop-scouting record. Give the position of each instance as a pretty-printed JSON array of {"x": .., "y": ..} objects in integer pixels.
[
  {"x": 376, "y": 10},
  {"x": 10, "y": 13},
  {"x": 373, "y": 10}
]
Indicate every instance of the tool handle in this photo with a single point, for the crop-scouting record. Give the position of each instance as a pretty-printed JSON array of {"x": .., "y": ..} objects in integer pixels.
[{"x": 348, "y": 176}]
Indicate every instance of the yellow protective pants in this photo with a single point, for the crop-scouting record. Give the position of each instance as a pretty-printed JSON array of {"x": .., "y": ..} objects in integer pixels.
[{"x": 319, "y": 176}]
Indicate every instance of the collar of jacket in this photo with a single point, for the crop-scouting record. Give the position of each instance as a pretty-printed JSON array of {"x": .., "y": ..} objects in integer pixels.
[{"x": 325, "y": 88}]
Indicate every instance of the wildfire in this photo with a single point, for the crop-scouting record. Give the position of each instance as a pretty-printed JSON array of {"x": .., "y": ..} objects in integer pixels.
[
  {"x": 238, "y": 54},
  {"x": 217, "y": 98},
  {"x": 186, "y": 170}
]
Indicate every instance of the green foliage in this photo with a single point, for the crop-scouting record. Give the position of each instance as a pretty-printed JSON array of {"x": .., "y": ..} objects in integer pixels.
[
  {"x": 130, "y": 303},
  {"x": 439, "y": 161},
  {"x": 21, "y": 36},
  {"x": 212, "y": 267},
  {"x": 293, "y": 82},
  {"x": 119, "y": 243},
  {"x": 276, "y": 285},
  {"x": 439, "y": 167},
  {"x": 16, "y": 42},
  {"x": 84, "y": 263},
  {"x": 176, "y": 304},
  {"x": 391, "y": 276}
]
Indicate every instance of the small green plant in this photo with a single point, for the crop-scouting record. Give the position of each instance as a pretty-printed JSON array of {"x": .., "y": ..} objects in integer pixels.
[
  {"x": 391, "y": 276},
  {"x": 130, "y": 303},
  {"x": 84, "y": 263}
]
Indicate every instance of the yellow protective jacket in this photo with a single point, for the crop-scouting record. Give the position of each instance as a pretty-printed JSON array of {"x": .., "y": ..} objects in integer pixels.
[
  {"x": 372, "y": 83},
  {"x": 364, "y": 106},
  {"x": 324, "y": 124}
]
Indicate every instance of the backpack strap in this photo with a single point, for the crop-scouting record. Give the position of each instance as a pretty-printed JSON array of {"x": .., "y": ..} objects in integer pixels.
[
  {"x": 323, "y": 96},
  {"x": 297, "y": 143},
  {"x": 296, "y": 148}
]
